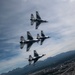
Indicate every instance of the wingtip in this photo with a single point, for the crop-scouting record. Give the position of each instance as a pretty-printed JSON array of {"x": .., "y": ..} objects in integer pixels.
[
  {"x": 34, "y": 50},
  {"x": 40, "y": 43},
  {"x": 27, "y": 31},
  {"x": 31, "y": 14},
  {"x": 21, "y": 36},
  {"x": 36, "y": 11},
  {"x": 41, "y": 30},
  {"x": 36, "y": 28},
  {"x": 21, "y": 47}
]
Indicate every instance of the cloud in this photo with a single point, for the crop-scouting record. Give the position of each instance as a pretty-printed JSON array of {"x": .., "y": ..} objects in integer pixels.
[{"x": 15, "y": 21}]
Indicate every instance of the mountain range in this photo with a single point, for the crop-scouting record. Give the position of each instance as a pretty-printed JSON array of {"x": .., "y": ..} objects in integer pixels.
[{"x": 49, "y": 62}]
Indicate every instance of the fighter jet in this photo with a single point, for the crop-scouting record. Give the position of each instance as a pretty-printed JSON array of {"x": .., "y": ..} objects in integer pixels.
[
  {"x": 37, "y": 20},
  {"x": 29, "y": 41},
  {"x": 42, "y": 37},
  {"x": 35, "y": 58}
]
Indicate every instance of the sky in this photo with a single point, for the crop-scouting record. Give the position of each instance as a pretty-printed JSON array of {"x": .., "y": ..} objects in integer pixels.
[{"x": 15, "y": 22}]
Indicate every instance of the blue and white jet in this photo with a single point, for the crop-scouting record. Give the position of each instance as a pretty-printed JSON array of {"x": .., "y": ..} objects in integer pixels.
[
  {"x": 35, "y": 58},
  {"x": 37, "y": 20},
  {"x": 29, "y": 41},
  {"x": 42, "y": 37}
]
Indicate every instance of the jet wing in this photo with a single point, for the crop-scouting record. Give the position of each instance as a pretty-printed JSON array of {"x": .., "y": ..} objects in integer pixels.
[
  {"x": 28, "y": 46},
  {"x": 29, "y": 36},
  {"x": 37, "y": 24},
  {"x": 37, "y": 15},
  {"x": 42, "y": 34},
  {"x": 35, "y": 61},
  {"x": 42, "y": 40},
  {"x": 35, "y": 54}
]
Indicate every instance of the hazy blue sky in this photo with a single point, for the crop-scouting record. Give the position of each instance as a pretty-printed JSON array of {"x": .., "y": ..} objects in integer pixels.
[{"x": 15, "y": 22}]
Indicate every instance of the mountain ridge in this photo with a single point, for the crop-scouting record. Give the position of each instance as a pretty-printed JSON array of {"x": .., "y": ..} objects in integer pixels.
[{"x": 49, "y": 62}]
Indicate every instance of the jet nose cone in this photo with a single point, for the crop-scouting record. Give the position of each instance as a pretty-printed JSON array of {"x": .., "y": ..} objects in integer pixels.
[
  {"x": 31, "y": 19},
  {"x": 49, "y": 37},
  {"x": 43, "y": 54},
  {"x": 46, "y": 21},
  {"x": 20, "y": 42}
]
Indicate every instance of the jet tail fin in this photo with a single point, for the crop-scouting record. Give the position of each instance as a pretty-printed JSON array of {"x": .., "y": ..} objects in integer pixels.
[
  {"x": 38, "y": 36},
  {"x": 30, "y": 59},
  {"x": 32, "y": 19},
  {"x": 22, "y": 39},
  {"x": 22, "y": 42}
]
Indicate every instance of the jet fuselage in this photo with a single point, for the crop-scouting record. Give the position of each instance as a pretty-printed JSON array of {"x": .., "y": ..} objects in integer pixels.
[
  {"x": 36, "y": 58},
  {"x": 38, "y": 20},
  {"x": 44, "y": 37},
  {"x": 29, "y": 41}
]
